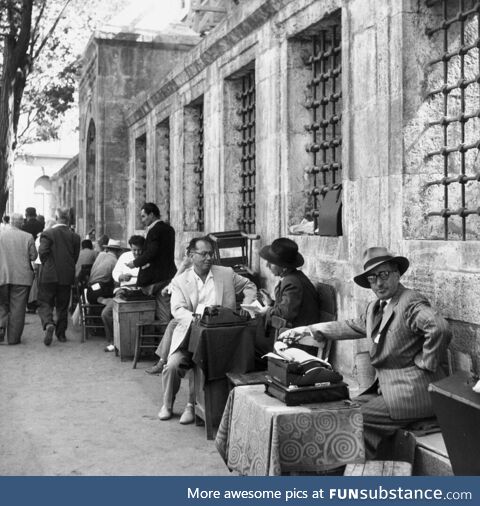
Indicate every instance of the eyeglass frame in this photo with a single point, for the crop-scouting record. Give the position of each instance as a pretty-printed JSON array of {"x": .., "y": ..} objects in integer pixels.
[
  {"x": 204, "y": 254},
  {"x": 383, "y": 275}
]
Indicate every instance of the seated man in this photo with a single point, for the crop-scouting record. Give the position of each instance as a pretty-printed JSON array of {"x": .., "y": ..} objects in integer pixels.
[
  {"x": 409, "y": 341},
  {"x": 126, "y": 278},
  {"x": 202, "y": 285},
  {"x": 100, "y": 282},
  {"x": 86, "y": 257}
]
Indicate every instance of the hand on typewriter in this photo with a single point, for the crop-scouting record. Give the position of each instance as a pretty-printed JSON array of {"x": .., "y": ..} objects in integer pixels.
[{"x": 293, "y": 336}]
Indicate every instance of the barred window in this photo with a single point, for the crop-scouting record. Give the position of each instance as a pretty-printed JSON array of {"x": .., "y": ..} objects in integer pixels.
[
  {"x": 453, "y": 191},
  {"x": 140, "y": 177},
  {"x": 324, "y": 92},
  {"x": 194, "y": 207},
  {"x": 162, "y": 173},
  {"x": 246, "y": 113}
]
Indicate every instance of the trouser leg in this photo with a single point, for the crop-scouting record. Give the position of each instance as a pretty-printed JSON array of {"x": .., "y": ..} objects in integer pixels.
[
  {"x": 377, "y": 423},
  {"x": 163, "y": 349},
  {"x": 177, "y": 365},
  {"x": 46, "y": 302},
  {"x": 4, "y": 308},
  {"x": 107, "y": 318},
  {"x": 162, "y": 302},
  {"x": 18, "y": 305},
  {"x": 62, "y": 301}
]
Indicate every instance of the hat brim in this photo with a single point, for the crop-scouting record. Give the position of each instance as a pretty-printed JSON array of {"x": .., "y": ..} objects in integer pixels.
[
  {"x": 362, "y": 280},
  {"x": 267, "y": 254},
  {"x": 106, "y": 246}
]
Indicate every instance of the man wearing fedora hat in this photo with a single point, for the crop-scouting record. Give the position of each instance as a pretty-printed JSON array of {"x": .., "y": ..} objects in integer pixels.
[
  {"x": 58, "y": 251},
  {"x": 100, "y": 282},
  {"x": 296, "y": 299},
  {"x": 408, "y": 345}
]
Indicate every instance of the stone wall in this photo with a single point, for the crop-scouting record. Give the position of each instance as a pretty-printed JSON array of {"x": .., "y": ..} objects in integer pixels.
[
  {"x": 384, "y": 58},
  {"x": 118, "y": 68}
]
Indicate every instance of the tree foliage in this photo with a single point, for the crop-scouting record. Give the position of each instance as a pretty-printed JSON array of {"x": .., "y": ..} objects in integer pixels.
[{"x": 41, "y": 42}]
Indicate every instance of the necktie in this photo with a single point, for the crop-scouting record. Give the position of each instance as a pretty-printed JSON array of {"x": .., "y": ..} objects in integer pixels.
[{"x": 378, "y": 320}]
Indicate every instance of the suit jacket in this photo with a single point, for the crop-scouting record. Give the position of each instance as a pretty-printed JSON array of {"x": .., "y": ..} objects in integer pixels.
[
  {"x": 409, "y": 355},
  {"x": 296, "y": 300},
  {"x": 157, "y": 260},
  {"x": 58, "y": 251},
  {"x": 17, "y": 251},
  {"x": 32, "y": 226},
  {"x": 184, "y": 299}
]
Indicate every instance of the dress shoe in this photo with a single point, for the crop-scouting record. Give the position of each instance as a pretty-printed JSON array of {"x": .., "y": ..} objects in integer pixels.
[
  {"x": 62, "y": 339},
  {"x": 165, "y": 413},
  {"x": 188, "y": 416},
  {"x": 157, "y": 368},
  {"x": 49, "y": 330}
]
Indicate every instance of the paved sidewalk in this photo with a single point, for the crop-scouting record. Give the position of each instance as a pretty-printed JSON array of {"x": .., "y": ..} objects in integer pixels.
[{"x": 72, "y": 409}]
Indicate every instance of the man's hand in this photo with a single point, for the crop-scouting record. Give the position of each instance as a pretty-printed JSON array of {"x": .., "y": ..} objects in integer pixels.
[
  {"x": 293, "y": 336},
  {"x": 125, "y": 277},
  {"x": 267, "y": 300},
  {"x": 130, "y": 265}
]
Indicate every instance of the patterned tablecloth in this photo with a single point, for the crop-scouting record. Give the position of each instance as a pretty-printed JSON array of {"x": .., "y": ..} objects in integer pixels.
[{"x": 261, "y": 436}]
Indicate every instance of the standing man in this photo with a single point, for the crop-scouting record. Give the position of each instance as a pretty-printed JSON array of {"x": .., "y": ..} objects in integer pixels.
[
  {"x": 156, "y": 263},
  {"x": 17, "y": 251},
  {"x": 31, "y": 224},
  {"x": 409, "y": 342},
  {"x": 58, "y": 251},
  {"x": 200, "y": 286}
]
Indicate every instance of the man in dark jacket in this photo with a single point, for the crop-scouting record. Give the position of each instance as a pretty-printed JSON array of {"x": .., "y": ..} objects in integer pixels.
[
  {"x": 31, "y": 224},
  {"x": 58, "y": 252},
  {"x": 156, "y": 263}
]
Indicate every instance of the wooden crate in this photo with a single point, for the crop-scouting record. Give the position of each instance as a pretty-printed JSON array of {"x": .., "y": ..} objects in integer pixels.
[
  {"x": 126, "y": 315},
  {"x": 379, "y": 468}
]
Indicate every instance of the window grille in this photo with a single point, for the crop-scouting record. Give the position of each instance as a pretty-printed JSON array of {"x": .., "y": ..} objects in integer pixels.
[
  {"x": 458, "y": 91},
  {"x": 246, "y": 111},
  {"x": 198, "y": 170},
  {"x": 325, "y": 106}
]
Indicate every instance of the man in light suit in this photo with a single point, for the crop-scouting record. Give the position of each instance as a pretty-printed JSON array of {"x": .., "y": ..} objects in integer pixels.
[
  {"x": 17, "y": 251},
  {"x": 409, "y": 342},
  {"x": 58, "y": 251},
  {"x": 200, "y": 286}
]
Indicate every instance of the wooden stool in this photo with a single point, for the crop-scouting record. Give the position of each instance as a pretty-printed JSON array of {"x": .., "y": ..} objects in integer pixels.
[
  {"x": 379, "y": 468},
  {"x": 147, "y": 339}
]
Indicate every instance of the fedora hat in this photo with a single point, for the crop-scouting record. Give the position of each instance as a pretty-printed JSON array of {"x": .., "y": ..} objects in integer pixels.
[
  {"x": 373, "y": 257},
  {"x": 282, "y": 252},
  {"x": 113, "y": 244}
]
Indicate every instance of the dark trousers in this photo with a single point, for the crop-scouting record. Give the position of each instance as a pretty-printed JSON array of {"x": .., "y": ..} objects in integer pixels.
[
  {"x": 13, "y": 301},
  {"x": 105, "y": 290},
  {"x": 50, "y": 296},
  {"x": 377, "y": 423}
]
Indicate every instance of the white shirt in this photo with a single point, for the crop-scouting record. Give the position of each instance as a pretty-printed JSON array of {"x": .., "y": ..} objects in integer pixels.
[
  {"x": 206, "y": 292},
  {"x": 121, "y": 268}
]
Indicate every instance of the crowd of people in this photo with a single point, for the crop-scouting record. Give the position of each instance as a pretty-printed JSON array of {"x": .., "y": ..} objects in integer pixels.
[{"x": 408, "y": 337}]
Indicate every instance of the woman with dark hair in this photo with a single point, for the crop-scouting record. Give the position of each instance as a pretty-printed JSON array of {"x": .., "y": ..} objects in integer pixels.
[{"x": 296, "y": 299}]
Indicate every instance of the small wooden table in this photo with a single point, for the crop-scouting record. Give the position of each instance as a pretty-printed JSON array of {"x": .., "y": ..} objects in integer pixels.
[
  {"x": 126, "y": 315},
  {"x": 261, "y": 436},
  {"x": 216, "y": 351}
]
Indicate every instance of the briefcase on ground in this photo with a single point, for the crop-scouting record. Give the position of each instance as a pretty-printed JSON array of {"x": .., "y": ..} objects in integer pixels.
[{"x": 294, "y": 396}]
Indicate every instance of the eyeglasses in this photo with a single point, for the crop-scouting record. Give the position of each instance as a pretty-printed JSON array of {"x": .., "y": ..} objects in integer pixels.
[
  {"x": 204, "y": 254},
  {"x": 383, "y": 275}
]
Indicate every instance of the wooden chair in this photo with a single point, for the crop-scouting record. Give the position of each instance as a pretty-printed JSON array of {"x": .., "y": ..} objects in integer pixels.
[
  {"x": 234, "y": 249},
  {"x": 147, "y": 338},
  {"x": 90, "y": 314}
]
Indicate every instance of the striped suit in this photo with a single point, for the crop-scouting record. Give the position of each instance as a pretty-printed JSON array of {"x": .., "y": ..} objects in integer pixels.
[{"x": 409, "y": 344}]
